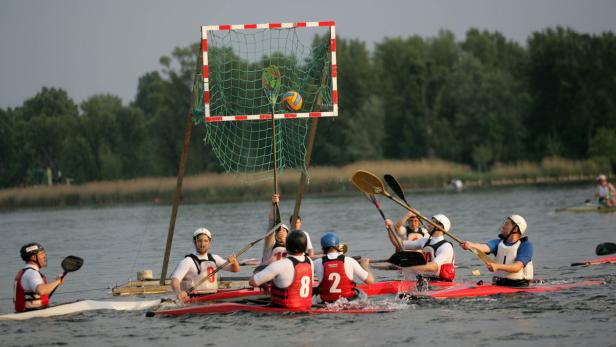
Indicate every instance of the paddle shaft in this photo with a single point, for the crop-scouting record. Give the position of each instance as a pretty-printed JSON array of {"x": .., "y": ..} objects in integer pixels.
[
  {"x": 394, "y": 236},
  {"x": 241, "y": 251}
]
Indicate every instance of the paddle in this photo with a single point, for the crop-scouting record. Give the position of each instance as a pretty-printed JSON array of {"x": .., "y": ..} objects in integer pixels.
[
  {"x": 377, "y": 204},
  {"x": 69, "y": 264},
  {"x": 241, "y": 251},
  {"x": 606, "y": 248},
  {"x": 392, "y": 182},
  {"x": 371, "y": 184}
]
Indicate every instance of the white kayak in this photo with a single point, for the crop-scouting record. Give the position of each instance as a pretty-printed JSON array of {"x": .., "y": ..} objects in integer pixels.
[{"x": 81, "y": 306}]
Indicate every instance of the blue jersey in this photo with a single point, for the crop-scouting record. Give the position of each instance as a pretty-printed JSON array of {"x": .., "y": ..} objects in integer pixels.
[{"x": 525, "y": 252}]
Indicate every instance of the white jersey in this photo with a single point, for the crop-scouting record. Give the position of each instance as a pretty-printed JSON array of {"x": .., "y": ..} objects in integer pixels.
[
  {"x": 31, "y": 279},
  {"x": 604, "y": 191},
  {"x": 351, "y": 267},
  {"x": 188, "y": 274},
  {"x": 444, "y": 253},
  {"x": 506, "y": 255},
  {"x": 404, "y": 235},
  {"x": 282, "y": 272}
]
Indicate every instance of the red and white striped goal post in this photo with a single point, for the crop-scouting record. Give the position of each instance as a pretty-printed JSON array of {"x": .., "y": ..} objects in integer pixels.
[{"x": 206, "y": 89}]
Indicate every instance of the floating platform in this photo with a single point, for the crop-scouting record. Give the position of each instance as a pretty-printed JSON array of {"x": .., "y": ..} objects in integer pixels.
[{"x": 153, "y": 286}]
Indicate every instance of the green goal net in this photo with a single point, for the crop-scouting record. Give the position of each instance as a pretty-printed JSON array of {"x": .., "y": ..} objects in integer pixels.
[{"x": 246, "y": 70}]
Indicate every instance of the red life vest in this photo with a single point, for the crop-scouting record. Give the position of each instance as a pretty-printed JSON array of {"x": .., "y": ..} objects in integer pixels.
[
  {"x": 447, "y": 271},
  {"x": 28, "y": 301},
  {"x": 335, "y": 283},
  {"x": 299, "y": 294}
]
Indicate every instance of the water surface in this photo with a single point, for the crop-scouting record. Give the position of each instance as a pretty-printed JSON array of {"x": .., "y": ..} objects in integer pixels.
[{"x": 119, "y": 241}]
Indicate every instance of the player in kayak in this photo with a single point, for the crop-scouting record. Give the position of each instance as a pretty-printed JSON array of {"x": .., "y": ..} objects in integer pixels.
[
  {"x": 513, "y": 251},
  {"x": 335, "y": 272},
  {"x": 274, "y": 245},
  {"x": 291, "y": 277},
  {"x": 31, "y": 288},
  {"x": 439, "y": 254},
  {"x": 197, "y": 265},
  {"x": 408, "y": 227},
  {"x": 605, "y": 193}
]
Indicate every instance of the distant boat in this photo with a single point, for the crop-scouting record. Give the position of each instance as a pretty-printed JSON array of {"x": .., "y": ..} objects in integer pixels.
[{"x": 588, "y": 207}]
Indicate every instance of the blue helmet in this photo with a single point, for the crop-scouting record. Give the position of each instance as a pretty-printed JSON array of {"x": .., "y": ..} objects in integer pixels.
[{"x": 330, "y": 239}]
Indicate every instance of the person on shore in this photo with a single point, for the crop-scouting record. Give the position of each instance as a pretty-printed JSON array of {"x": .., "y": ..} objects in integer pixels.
[
  {"x": 335, "y": 272},
  {"x": 197, "y": 265},
  {"x": 291, "y": 277},
  {"x": 438, "y": 252},
  {"x": 605, "y": 193},
  {"x": 513, "y": 251},
  {"x": 31, "y": 288}
]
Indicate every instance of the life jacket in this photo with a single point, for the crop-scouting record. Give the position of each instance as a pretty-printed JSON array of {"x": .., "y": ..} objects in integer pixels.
[
  {"x": 604, "y": 192},
  {"x": 335, "y": 283},
  {"x": 299, "y": 294},
  {"x": 27, "y": 301},
  {"x": 207, "y": 266},
  {"x": 279, "y": 252},
  {"x": 447, "y": 272},
  {"x": 506, "y": 255},
  {"x": 409, "y": 232}
]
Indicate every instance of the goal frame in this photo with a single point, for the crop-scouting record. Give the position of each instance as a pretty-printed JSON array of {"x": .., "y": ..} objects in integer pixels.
[{"x": 208, "y": 117}]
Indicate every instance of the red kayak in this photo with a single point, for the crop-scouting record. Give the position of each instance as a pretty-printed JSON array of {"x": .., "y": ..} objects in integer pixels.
[
  {"x": 379, "y": 288},
  {"x": 462, "y": 290},
  {"x": 604, "y": 260},
  {"x": 230, "y": 307}
]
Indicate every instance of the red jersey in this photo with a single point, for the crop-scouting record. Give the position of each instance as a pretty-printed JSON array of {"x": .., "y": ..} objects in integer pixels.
[
  {"x": 335, "y": 283},
  {"x": 299, "y": 294}
]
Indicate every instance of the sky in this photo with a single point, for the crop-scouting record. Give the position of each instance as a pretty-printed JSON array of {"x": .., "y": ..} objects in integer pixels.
[{"x": 89, "y": 47}]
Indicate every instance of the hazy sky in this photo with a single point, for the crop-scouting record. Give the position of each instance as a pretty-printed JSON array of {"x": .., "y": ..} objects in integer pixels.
[{"x": 89, "y": 47}]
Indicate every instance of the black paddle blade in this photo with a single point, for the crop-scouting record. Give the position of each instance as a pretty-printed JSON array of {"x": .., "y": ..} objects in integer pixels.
[
  {"x": 395, "y": 186},
  {"x": 606, "y": 248},
  {"x": 71, "y": 263},
  {"x": 406, "y": 259}
]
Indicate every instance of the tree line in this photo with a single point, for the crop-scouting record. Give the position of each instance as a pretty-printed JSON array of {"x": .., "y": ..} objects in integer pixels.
[{"x": 479, "y": 101}]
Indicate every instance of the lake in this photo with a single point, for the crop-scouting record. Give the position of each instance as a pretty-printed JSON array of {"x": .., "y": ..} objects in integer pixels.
[{"x": 117, "y": 242}]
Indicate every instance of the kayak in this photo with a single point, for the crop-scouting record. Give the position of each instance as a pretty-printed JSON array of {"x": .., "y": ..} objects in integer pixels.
[
  {"x": 588, "y": 207},
  {"x": 81, "y": 306},
  {"x": 604, "y": 260},
  {"x": 379, "y": 288},
  {"x": 230, "y": 307},
  {"x": 464, "y": 290}
]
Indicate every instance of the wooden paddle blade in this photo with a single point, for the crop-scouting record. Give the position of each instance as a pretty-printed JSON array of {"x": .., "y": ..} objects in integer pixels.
[
  {"x": 368, "y": 183},
  {"x": 606, "y": 248},
  {"x": 71, "y": 263},
  {"x": 406, "y": 259},
  {"x": 484, "y": 257},
  {"x": 395, "y": 186}
]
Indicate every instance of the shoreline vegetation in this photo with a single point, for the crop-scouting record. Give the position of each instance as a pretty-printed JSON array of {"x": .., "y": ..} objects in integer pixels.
[{"x": 224, "y": 187}]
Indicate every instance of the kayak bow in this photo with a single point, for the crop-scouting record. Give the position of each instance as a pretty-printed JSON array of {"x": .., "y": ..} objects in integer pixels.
[{"x": 81, "y": 306}]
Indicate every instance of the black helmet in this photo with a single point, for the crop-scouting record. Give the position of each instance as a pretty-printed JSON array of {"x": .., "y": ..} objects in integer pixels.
[
  {"x": 296, "y": 241},
  {"x": 30, "y": 249}
]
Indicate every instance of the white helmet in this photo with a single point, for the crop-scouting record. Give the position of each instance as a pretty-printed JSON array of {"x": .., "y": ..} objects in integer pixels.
[
  {"x": 519, "y": 222},
  {"x": 202, "y": 231},
  {"x": 441, "y": 218}
]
